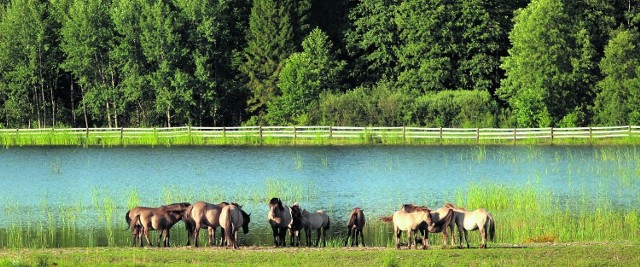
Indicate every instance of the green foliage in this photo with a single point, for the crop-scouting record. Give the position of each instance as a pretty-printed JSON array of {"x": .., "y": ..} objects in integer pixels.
[
  {"x": 467, "y": 109},
  {"x": 304, "y": 76},
  {"x": 363, "y": 106},
  {"x": 28, "y": 52},
  {"x": 619, "y": 92},
  {"x": 269, "y": 43},
  {"x": 138, "y": 63},
  {"x": 546, "y": 64}
]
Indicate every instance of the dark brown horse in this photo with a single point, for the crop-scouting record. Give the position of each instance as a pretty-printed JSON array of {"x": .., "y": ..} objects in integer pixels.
[
  {"x": 355, "y": 226},
  {"x": 143, "y": 219},
  {"x": 442, "y": 222},
  {"x": 232, "y": 217},
  {"x": 296, "y": 224},
  {"x": 203, "y": 215},
  {"x": 280, "y": 220}
]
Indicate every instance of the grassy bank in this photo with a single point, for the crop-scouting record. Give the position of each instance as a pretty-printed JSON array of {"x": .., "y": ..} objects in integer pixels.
[{"x": 568, "y": 254}]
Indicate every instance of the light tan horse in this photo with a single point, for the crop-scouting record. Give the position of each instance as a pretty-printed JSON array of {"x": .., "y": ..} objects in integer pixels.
[
  {"x": 143, "y": 219},
  {"x": 410, "y": 218},
  {"x": 355, "y": 226},
  {"x": 479, "y": 219},
  {"x": 316, "y": 220},
  {"x": 202, "y": 215},
  {"x": 280, "y": 220},
  {"x": 232, "y": 217}
]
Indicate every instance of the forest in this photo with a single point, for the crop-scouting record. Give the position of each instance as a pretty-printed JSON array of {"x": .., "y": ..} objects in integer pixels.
[{"x": 434, "y": 63}]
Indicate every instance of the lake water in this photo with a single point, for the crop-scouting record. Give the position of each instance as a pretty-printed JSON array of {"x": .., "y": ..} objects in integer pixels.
[{"x": 334, "y": 178}]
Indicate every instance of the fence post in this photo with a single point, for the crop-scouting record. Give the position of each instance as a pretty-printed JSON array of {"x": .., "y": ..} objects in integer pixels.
[
  {"x": 121, "y": 136},
  {"x": 404, "y": 134},
  {"x": 189, "y": 133},
  {"x": 551, "y": 129},
  {"x": 590, "y": 135},
  {"x": 260, "y": 131},
  {"x": 224, "y": 132},
  {"x": 515, "y": 135},
  {"x": 330, "y": 132},
  {"x": 295, "y": 134},
  {"x": 478, "y": 135},
  {"x": 441, "y": 134}
]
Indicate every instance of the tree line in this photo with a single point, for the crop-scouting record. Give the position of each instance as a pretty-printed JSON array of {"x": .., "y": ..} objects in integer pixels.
[{"x": 441, "y": 63}]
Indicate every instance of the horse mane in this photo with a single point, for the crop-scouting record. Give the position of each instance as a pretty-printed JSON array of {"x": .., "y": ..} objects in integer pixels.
[
  {"x": 176, "y": 206},
  {"x": 452, "y": 206},
  {"x": 413, "y": 208}
]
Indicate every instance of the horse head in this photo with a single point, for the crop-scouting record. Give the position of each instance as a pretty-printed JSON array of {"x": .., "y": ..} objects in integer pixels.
[
  {"x": 276, "y": 202},
  {"x": 353, "y": 217},
  {"x": 246, "y": 218}
]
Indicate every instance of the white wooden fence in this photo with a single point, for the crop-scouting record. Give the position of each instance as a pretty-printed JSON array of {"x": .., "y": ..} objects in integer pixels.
[{"x": 334, "y": 132}]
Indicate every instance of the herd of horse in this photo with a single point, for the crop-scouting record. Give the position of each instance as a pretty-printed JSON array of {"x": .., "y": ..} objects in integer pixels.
[{"x": 293, "y": 219}]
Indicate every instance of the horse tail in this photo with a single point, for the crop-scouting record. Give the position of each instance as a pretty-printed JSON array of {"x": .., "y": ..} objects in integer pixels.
[
  {"x": 126, "y": 217},
  {"x": 387, "y": 219},
  {"x": 492, "y": 228},
  {"x": 328, "y": 223}
]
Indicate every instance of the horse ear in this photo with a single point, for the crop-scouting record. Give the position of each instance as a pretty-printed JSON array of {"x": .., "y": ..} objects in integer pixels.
[{"x": 249, "y": 215}]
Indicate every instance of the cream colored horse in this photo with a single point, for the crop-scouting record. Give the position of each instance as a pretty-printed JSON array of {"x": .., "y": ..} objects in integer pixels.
[
  {"x": 479, "y": 219},
  {"x": 410, "y": 218},
  {"x": 232, "y": 217},
  {"x": 316, "y": 220},
  {"x": 280, "y": 220},
  {"x": 203, "y": 215}
]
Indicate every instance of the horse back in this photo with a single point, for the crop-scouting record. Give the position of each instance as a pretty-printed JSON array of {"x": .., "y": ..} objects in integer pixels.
[{"x": 408, "y": 220}]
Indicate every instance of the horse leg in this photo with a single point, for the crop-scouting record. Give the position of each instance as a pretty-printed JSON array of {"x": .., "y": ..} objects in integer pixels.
[
  {"x": 466, "y": 237},
  {"x": 275, "y": 236},
  {"x": 451, "y": 245},
  {"x": 146, "y": 236},
  {"x": 361, "y": 237},
  {"x": 483, "y": 235},
  {"x": 283, "y": 236},
  {"x": 166, "y": 237},
  {"x": 324, "y": 237},
  {"x": 318, "y": 237},
  {"x": 222, "y": 238},
  {"x": 348, "y": 235},
  {"x": 398, "y": 234}
]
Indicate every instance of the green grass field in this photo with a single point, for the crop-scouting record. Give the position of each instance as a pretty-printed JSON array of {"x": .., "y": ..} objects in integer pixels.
[{"x": 562, "y": 254}]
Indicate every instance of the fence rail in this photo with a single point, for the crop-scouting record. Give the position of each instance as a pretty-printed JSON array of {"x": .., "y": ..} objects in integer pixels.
[{"x": 323, "y": 132}]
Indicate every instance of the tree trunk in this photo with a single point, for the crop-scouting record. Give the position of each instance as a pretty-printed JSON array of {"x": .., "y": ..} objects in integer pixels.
[
  {"x": 84, "y": 109},
  {"x": 168, "y": 118},
  {"x": 108, "y": 115}
]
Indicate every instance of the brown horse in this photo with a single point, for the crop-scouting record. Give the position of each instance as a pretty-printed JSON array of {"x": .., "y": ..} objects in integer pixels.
[
  {"x": 280, "y": 220},
  {"x": 202, "y": 215},
  {"x": 296, "y": 224},
  {"x": 143, "y": 219},
  {"x": 409, "y": 219},
  {"x": 233, "y": 217},
  {"x": 442, "y": 222},
  {"x": 479, "y": 219},
  {"x": 316, "y": 220},
  {"x": 355, "y": 225}
]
